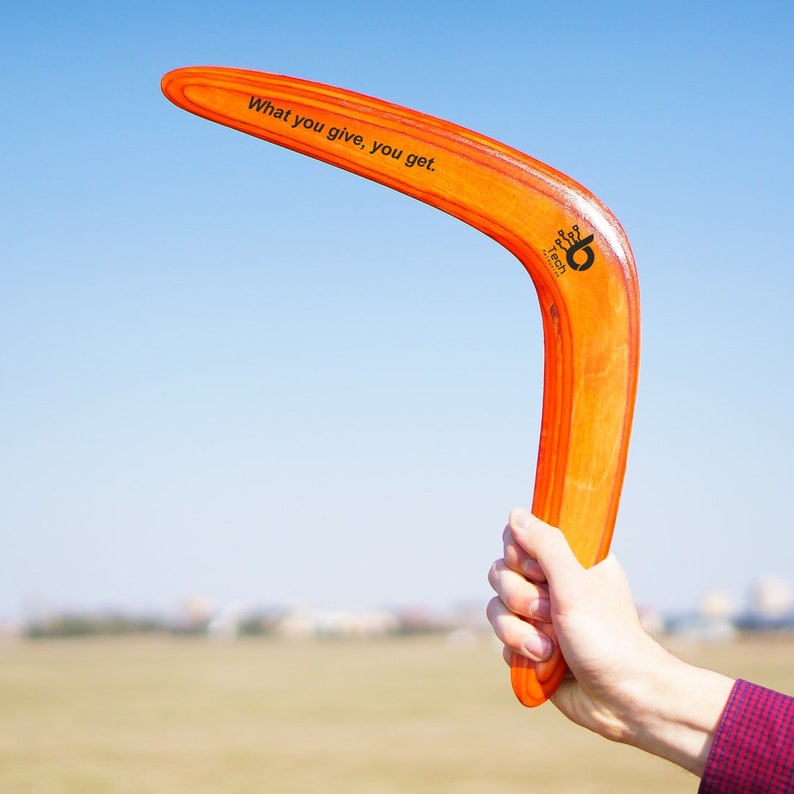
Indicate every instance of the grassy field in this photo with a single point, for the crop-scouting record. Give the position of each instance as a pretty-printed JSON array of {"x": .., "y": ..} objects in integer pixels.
[{"x": 171, "y": 716}]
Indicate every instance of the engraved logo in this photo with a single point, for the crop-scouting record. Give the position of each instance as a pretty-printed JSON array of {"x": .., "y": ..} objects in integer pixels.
[{"x": 578, "y": 253}]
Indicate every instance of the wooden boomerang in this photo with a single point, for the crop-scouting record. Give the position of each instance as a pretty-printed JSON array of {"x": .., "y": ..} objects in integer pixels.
[{"x": 573, "y": 248}]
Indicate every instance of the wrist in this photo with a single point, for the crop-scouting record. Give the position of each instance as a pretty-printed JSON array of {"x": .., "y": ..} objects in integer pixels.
[{"x": 675, "y": 709}]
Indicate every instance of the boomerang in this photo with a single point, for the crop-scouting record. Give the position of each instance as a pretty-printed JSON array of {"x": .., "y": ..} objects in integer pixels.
[{"x": 572, "y": 247}]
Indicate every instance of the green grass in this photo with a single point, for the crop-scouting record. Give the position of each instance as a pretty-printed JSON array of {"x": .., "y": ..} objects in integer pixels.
[{"x": 174, "y": 716}]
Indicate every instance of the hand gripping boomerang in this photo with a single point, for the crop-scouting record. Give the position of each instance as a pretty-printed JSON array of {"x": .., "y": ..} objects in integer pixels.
[{"x": 573, "y": 248}]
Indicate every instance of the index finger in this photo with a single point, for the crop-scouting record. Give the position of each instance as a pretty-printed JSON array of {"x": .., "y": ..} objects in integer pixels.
[{"x": 517, "y": 559}]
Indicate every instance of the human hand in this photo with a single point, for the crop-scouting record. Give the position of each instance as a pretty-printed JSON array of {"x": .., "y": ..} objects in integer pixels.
[
  {"x": 544, "y": 595},
  {"x": 623, "y": 685}
]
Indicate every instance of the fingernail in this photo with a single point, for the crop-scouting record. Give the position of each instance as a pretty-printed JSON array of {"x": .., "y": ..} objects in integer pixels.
[
  {"x": 532, "y": 570},
  {"x": 540, "y": 609},
  {"x": 539, "y": 646}
]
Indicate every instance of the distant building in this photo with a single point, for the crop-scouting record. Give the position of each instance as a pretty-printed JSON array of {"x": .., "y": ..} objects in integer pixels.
[{"x": 772, "y": 598}]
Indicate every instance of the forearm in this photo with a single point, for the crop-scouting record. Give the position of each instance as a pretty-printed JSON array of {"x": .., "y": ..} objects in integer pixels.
[{"x": 674, "y": 711}]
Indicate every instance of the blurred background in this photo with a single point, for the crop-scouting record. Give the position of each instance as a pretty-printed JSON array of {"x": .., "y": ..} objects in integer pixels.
[{"x": 234, "y": 376}]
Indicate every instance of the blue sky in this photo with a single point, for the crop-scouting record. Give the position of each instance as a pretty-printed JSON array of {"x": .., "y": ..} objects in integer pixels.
[{"x": 231, "y": 370}]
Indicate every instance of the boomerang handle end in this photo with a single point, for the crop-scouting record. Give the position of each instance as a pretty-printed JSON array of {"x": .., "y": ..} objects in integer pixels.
[{"x": 535, "y": 682}]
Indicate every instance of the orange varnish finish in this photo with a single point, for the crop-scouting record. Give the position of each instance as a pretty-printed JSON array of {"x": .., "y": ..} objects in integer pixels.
[{"x": 589, "y": 302}]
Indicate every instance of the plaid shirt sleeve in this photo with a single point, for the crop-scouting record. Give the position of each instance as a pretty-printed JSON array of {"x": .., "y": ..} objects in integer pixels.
[{"x": 753, "y": 749}]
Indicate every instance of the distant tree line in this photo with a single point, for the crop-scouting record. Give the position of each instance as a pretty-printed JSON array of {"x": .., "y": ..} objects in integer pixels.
[
  {"x": 77, "y": 625},
  {"x": 257, "y": 623}
]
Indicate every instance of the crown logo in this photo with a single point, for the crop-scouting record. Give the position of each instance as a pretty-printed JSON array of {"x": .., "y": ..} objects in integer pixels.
[{"x": 578, "y": 253}]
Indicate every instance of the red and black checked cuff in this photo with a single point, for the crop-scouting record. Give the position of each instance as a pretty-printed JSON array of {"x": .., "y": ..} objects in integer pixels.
[{"x": 753, "y": 749}]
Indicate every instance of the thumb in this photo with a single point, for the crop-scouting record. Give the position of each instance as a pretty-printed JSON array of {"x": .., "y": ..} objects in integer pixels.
[{"x": 547, "y": 545}]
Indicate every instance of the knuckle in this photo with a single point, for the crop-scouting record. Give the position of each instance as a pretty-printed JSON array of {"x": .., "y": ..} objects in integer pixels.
[
  {"x": 516, "y": 602},
  {"x": 493, "y": 610},
  {"x": 513, "y": 557},
  {"x": 493, "y": 573}
]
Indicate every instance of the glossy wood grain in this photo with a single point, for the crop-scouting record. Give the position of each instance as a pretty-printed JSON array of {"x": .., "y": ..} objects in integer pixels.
[{"x": 572, "y": 247}]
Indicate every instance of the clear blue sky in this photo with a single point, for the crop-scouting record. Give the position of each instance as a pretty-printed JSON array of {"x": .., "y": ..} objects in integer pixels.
[{"x": 231, "y": 370}]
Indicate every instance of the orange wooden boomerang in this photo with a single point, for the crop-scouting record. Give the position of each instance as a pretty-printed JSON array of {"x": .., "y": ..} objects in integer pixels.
[{"x": 570, "y": 244}]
